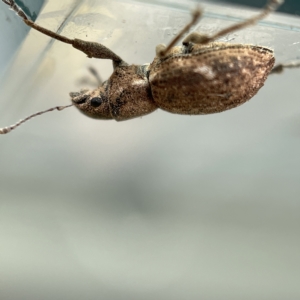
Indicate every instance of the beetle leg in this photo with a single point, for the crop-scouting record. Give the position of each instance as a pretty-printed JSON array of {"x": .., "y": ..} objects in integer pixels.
[
  {"x": 197, "y": 13},
  {"x": 279, "y": 68},
  {"x": 195, "y": 38},
  {"x": 92, "y": 49},
  {"x": 95, "y": 73},
  {"x": 160, "y": 48},
  {"x": 198, "y": 38}
]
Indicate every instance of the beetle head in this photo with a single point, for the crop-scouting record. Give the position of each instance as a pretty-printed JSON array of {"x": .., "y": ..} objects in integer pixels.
[{"x": 92, "y": 103}]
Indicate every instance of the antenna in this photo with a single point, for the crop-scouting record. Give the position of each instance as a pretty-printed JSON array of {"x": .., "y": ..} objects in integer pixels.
[{"x": 8, "y": 129}]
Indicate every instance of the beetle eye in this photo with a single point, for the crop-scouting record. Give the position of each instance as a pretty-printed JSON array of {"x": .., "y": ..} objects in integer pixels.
[{"x": 96, "y": 101}]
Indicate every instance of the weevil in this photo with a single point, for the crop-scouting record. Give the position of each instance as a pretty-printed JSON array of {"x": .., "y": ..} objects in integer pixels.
[{"x": 202, "y": 76}]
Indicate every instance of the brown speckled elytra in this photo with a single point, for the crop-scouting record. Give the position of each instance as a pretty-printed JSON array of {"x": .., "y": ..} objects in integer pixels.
[{"x": 199, "y": 77}]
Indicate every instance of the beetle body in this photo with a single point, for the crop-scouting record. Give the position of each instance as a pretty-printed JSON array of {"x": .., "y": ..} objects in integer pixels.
[
  {"x": 192, "y": 79},
  {"x": 201, "y": 76}
]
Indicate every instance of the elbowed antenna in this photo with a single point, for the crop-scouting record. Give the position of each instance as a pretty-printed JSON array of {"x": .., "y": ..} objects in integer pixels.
[{"x": 8, "y": 129}]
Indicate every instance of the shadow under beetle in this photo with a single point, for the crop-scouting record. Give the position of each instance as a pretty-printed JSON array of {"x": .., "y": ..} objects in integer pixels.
[{"x": 199, "y": 77}]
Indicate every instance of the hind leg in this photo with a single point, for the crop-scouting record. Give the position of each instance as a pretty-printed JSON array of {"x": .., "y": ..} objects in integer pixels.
[
  {"x": 198, "y": 38},
  {"x": 279, "y": 68}
]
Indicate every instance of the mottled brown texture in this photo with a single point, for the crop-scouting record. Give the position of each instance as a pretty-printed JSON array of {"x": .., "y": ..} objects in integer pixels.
[
  {"x": 129, "y": 94},
  {"x": 96, "y": 50},
  {"x": 192, "y": 79},
  {"x": 200, "y": 77},
  {"x": 82, "y": 100},
  {"x": 210, "y": 78},
  {"x": 124, "y": 96}
]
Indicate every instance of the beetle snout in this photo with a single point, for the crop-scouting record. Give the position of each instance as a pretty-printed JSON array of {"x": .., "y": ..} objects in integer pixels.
[
  {"x": 78, "y": 98},
  {"x": 92, "y": 103}
]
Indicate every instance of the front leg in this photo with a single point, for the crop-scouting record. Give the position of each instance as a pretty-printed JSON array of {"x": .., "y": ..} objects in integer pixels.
[{"x": 91, "y": 49}]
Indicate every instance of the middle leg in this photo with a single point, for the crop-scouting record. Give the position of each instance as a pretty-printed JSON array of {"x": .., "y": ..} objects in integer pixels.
[
  {"x": 198, "y": 38},
  {"x": 162, "y": 50}
]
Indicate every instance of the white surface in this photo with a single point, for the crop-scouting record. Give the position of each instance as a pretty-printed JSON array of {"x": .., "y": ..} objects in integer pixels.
[{"x": 161, "y": 207}]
